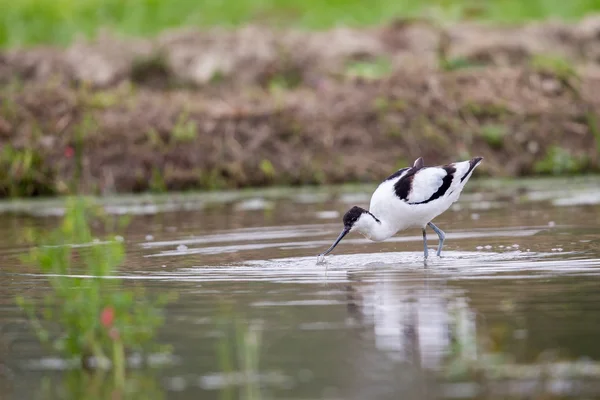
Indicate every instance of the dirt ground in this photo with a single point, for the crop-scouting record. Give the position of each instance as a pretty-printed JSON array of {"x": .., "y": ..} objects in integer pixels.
[{"x": 256, "y": 106}]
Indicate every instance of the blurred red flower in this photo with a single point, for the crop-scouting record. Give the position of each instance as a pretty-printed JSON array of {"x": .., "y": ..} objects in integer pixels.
[
  {"x": 107, "y": 317},
  {"x": 69, "y": 152}
]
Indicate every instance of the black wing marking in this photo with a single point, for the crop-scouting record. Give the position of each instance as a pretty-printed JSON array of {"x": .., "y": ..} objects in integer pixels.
[
  {"x": 446, "y": 183},
  {"x": 472, "y": 164},
  {"x": 403, "y": 187}
]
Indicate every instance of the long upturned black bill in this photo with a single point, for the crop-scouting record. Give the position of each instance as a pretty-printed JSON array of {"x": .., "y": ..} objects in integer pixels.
[{"x": 344, "y": 233}]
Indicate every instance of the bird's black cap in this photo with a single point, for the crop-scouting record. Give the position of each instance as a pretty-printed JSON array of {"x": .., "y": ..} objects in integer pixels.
[{"x": 352, "y": 216}]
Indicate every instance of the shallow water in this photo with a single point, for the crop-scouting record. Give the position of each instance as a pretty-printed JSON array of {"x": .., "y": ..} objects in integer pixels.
[{"x": 511, "y": 310}]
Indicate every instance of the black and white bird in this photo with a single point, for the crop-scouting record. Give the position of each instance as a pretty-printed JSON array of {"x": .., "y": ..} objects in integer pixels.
[{"x": 411, "y": 197}]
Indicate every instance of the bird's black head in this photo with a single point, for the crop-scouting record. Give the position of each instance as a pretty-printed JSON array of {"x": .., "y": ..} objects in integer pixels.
[
  {"x": 350, "y": 218},
  {"x": 352, "y": 215}
]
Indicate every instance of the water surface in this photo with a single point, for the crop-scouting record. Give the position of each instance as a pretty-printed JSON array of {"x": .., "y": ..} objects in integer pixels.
[{"x": 511, "y": 310}]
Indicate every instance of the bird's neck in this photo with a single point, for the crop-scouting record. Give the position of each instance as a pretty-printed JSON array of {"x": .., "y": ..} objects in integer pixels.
[{"x": 373, "y": 228}]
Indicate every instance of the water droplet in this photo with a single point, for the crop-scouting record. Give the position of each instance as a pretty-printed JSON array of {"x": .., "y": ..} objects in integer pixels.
[
  {"x": 551, "y": 224},
  {"x": 479, "y": 247},
  {"x": 182, "y": 247},
  {"x": 475, "y": 216},
  {"x": 149, "y": 237},
  {"x": 487, "y": 247}
]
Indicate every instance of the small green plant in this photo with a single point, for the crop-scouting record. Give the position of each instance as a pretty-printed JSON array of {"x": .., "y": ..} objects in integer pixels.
[
  {"x": 157, "y": 182},
  {"x": 383, "y": 104},
  {"x": 454, "y": 64},
  {"x": 23, "y": 173},
  {"x": 485, "y": 110},
  {"x": 373, "y": 70},
  {"x": 87, "y": 318},
  {"x": 266, "y": 167},
  {"x": 154, "y": 139},
  {"x": 559, "y": 161},
  {"x": 285, "y": 80},
  {"x": 212, "y": 179},
  {"x": 493, "y": 134},
  {"x": 185, "y": 129},
  {"x": 103, "y": 99},
  {"x": 561, "y": 68},
  {"x": 592, "y": 121}
]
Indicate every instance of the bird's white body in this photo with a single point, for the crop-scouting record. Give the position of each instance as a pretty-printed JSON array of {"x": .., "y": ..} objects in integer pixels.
[
  {"x": 411, "y": 197},
  {"x": 396, "y": 214}
]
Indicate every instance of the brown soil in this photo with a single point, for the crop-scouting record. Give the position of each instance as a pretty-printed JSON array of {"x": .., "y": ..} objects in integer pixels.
[{"x": 257, "y": 106}]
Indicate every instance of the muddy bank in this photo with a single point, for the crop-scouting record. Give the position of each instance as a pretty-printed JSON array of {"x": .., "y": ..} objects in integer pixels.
[{"x": 192, "y": 110}]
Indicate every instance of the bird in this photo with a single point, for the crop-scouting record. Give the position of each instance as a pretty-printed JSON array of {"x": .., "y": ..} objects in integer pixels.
[{"x": 409, "y": 198}]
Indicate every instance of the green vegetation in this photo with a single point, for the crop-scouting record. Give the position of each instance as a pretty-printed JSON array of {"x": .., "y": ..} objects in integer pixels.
[
  {"x": 28, "y": 22},
  {"x": 375, "y": 69},
  {"x": 557, "y": 66},
  {"x": 456, "y": 64},
  {"x": 157, "y": 182},
  {"x": 592, "y": 122},
  {"x": 493, "y": 134},
  {"x": 87, "y": 318},
  {"x": 560, "y": 161},
  {"x": 484, "y": 110},
  {"x": 185, "y": 129},
  {"x": 23, "y": 173},
  {"x": 267, "y": 169},
  {"x": 238, "y": 356}
]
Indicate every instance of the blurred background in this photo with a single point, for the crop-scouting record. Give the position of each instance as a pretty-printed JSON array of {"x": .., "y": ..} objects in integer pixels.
[
  {"x": 108, "y": 96},
  {"x": 220, "y": 98},
  {"x": 36, "y": 22}
]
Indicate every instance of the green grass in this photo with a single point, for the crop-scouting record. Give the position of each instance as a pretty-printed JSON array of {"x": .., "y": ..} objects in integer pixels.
[
  {"x": 83, "y": 317},
  {"x": 29, "y": 22}
]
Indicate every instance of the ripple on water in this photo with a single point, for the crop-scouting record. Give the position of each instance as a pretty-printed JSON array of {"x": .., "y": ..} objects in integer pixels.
[
  {"x": 258, "y": 239},
  {"x": 454, "y": 264}
]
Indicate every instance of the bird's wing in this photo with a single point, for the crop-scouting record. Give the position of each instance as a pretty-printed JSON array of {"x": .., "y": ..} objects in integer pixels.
[
  {"x": 425, "y": 185},
  {"x": 419, "y": 185}
]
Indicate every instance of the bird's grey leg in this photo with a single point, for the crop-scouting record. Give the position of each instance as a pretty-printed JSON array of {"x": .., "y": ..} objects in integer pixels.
[
  {"x": 441, "y": 235},
  {"x": 425, "y": 251}
]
